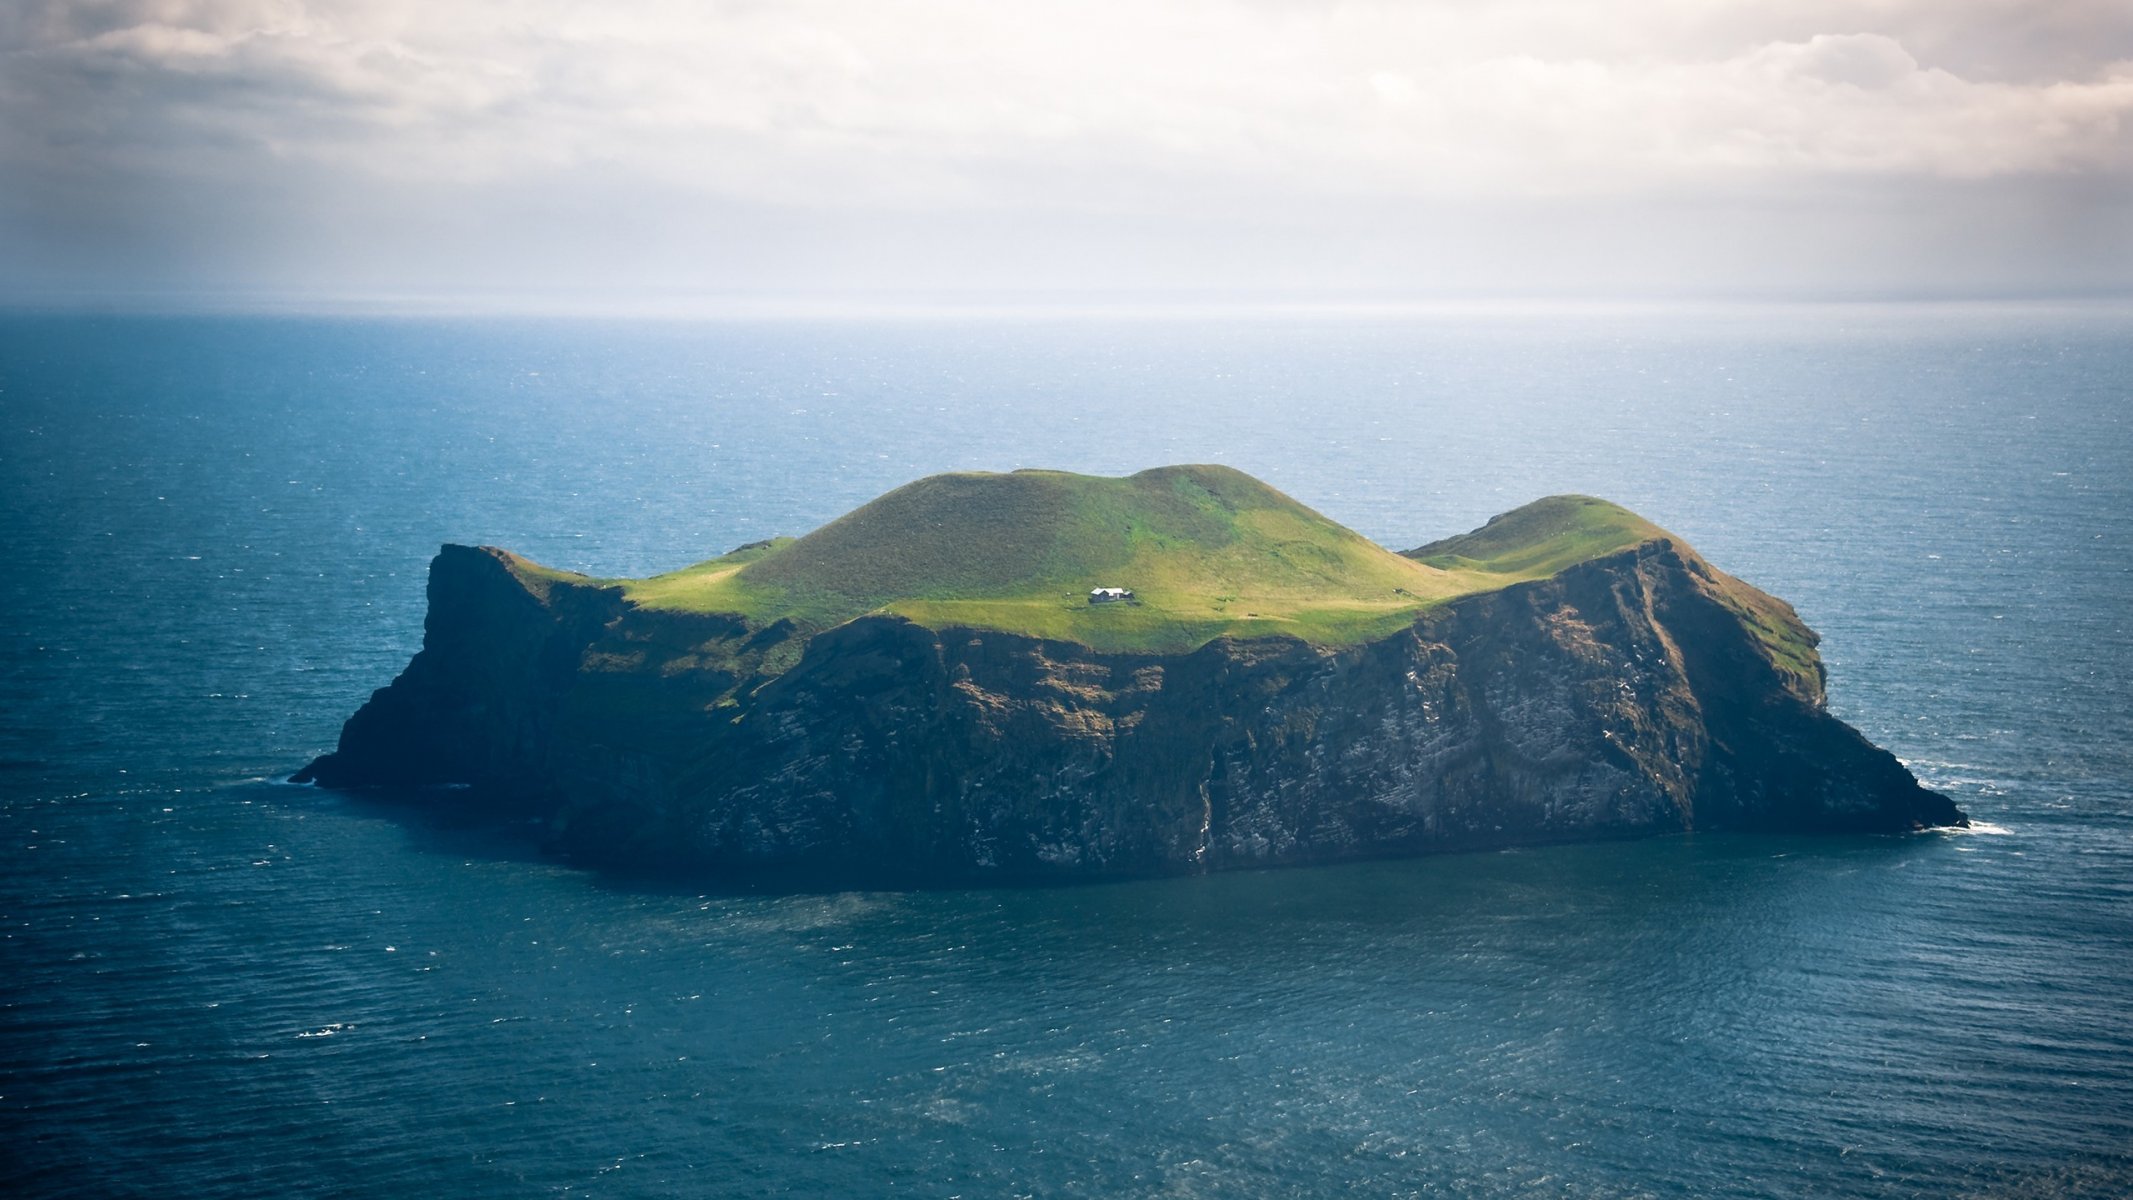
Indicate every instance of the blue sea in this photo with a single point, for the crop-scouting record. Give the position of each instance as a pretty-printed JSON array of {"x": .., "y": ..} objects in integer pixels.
[{"x": 215, "y": 984}]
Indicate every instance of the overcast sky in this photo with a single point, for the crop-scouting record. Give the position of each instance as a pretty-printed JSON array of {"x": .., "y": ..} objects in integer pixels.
[{"x": 1248, "y": 149}]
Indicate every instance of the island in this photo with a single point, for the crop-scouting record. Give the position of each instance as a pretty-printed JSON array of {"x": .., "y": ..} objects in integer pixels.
[{"x": 1039, "y": 675}]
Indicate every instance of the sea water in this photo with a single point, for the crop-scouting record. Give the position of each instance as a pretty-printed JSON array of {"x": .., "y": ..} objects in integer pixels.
[{"x": 215, "y": 984}]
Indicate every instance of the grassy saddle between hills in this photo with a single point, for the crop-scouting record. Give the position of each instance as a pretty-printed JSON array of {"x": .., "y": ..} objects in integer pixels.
[{"x": 1207, "y": 551}]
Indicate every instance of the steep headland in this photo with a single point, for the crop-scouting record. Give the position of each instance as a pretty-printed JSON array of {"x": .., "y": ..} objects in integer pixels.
[{"x": 920, "y": 691}]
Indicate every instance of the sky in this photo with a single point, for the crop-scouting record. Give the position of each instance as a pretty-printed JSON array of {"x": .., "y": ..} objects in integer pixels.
[{"x": 646, "y": 152}]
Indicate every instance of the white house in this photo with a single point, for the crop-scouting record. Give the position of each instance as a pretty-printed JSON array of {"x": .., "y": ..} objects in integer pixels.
[{"x": 1109, "y": 595}]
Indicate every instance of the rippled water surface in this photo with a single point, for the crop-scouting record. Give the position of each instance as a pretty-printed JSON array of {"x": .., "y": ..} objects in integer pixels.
[{"x": 217, "y": 985}]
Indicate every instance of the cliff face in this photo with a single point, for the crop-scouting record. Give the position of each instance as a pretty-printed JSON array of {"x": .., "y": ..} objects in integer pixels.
[{"x": 1631, "y": 694}]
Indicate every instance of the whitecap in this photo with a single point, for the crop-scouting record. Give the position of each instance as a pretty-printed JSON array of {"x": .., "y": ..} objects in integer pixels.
[{"x": 1983, "y": 828}]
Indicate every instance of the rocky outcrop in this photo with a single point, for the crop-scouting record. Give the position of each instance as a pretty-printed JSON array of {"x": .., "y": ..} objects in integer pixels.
[{"x": 1628, "y": 695}]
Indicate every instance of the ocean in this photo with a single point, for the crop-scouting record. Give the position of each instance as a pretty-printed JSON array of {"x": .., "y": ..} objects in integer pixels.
[{"x": 215, "y": 984}]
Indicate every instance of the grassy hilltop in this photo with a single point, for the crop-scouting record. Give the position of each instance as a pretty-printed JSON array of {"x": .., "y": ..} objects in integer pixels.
[{"x": 1208, "y": 551}]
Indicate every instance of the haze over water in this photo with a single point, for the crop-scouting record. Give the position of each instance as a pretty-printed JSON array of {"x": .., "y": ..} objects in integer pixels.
[{"x": 218, "y": 985}]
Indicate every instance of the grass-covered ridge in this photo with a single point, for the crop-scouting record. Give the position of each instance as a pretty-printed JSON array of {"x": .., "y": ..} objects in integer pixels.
[
  {"x": 1541, "y": 538},
  {"x": 1550, "y": 534},
  {"x": 1208, "y": 551}
]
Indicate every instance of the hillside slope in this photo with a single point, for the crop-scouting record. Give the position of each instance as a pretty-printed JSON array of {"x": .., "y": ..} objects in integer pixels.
[{"x": 1207, "y": 550}]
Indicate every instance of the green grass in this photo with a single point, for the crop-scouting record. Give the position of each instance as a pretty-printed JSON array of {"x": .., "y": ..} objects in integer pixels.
[
  {"x": 1541, "y": 538},
  {"x": 1207, "y": 550}
]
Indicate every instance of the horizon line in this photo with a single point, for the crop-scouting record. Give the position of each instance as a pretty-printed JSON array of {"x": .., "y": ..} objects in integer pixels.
[{"x": 657, "y": 304}]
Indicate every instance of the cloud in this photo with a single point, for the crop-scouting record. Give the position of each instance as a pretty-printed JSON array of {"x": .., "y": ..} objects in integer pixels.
[{"x": 1121, "y": 110}]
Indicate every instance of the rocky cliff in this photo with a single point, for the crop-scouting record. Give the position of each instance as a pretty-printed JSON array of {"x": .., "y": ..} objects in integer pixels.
[{"x": 1635, "y": 692}]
